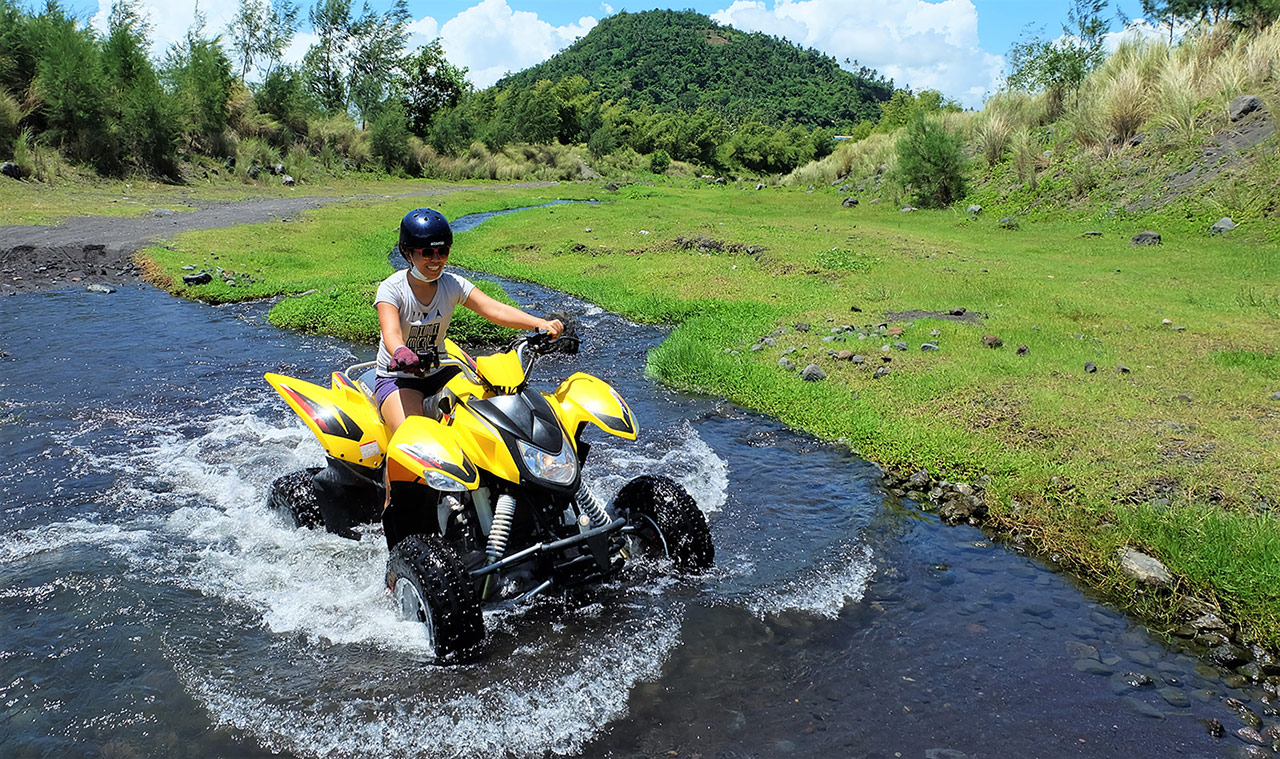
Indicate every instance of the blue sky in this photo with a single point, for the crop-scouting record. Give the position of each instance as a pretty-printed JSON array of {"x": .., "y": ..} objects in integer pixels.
[{"x": 956, "y": 46}]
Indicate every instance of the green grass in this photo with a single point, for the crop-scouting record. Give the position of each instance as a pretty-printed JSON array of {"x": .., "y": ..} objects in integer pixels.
[
  {"x": 1076, "y": 458},
  {"x": 329, "y": 271}
]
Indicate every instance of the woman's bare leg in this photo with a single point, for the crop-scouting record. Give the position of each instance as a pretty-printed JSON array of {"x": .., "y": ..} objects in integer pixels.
[{"x": 397, "y": 407}]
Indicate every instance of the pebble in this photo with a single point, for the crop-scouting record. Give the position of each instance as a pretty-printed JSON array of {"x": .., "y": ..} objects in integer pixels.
[
  {"x": 1090, "y": 367},
  {"x": 928, "y": 347}
]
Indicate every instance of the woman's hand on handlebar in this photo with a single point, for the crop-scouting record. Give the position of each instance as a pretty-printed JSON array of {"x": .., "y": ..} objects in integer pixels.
[
  {"x": 553, "y": 327},
  {"x": 405, "y": 360}
]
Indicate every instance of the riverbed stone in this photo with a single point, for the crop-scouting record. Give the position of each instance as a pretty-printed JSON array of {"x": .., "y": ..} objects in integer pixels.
[
  {"x": 1143, "y": 568},
  {"x": 1250, "y": 735},
  {"x": 192, "y": 280},
  {"x": 1174, "y": 697},
  {"x": 812, "y": 373},
  {"x": 1142, "y": 707},
  {"x": 944, "y": 753},
  {"x": 96, "y": 288},
  {"x": 1209, "y": 621}
]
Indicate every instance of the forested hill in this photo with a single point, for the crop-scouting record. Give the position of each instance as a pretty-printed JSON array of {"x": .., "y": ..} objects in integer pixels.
[{"x": 682, "y": 59}]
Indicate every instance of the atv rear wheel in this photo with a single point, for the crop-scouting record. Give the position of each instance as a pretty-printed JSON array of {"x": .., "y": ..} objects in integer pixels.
[
  {"x": 431, "y": 586},
  {"x": 294, "y": 497},
  {"x": 668, "y": 522}
]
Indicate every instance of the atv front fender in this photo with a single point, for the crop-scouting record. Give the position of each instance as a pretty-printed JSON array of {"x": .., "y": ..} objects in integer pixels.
[
  {"x": 584, "y": 398},
  {"x": 342, "y": 418},
  {"x": 423, "y": 448}
]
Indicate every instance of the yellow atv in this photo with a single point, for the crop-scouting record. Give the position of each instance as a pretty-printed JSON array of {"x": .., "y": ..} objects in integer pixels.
[{"x": 487, "y": 497}]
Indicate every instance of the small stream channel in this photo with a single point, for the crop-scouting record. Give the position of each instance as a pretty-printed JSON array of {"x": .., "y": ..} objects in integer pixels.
[{"x": 152, "y": 606}]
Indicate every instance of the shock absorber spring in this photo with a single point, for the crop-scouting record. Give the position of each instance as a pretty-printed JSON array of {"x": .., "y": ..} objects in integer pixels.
[
  {"x": 503, "y": 513},
  {"x": 590, "y": 505}
]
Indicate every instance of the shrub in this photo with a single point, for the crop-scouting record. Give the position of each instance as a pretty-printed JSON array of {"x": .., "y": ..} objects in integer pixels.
[
  {"x": 992, "y": 137},
  {"x": 931, "y": 163},
  {"x": 659, "y": 161},
  {"x": 389, "y": 138}
]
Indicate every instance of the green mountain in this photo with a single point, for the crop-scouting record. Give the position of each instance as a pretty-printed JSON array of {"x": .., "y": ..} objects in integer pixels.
[{"x": 684, "y": 60}]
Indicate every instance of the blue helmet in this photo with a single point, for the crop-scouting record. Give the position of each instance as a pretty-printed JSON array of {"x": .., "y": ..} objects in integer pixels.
[{"x": 424, "y": 228}]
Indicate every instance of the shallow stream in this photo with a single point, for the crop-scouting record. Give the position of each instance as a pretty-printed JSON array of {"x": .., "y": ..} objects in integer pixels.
[{"x": 152, "y": 606}]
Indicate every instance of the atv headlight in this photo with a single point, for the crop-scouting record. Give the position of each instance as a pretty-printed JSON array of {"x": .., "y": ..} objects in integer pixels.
[
  {"x": 431, "y": 468},
  {"x": 559, "y": 468}
]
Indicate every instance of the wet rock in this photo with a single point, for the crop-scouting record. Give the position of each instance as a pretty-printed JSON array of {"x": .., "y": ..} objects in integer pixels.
[
  {"x": 1254, "y": 752},
  {"x": 1214, "y": 727},
  {"x": 1243, "y": 106},
  {"x": 1145, "y": 238},
  {"x": 95, "y": 288},
  {"x": 1209, "y": 621},
  {"x": 812, "y": 373},
  {"x": 1142, "y": 707},
  {"x": 992, "y": 341},
  {"x": 1090, "y": 367},
  {"x": 849, "y": 202},
  {"x": 1212, "y": 639},
  {"x": 1249, "y": 717},
  {"x": 1228, "y": 655},
  {"x": 1268, "y": 661},
  {"x": 1136, "y": 679},
  {"x": 944, "y": 753},
  {"x": 1250, "y": 735},
  {"x": 964, "y": 509},
  {"x": 192, "y": 280},
  {"x": 1251, "y": 671},
  {"x": 1143, "y": 568},
  {"x": 1225, "y": 224},
  {"x": 1023, "y": 350},
  {"x": 1174, "y": 697}
]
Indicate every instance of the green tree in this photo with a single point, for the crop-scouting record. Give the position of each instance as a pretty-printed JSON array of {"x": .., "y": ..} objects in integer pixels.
[
  {"x": 431, "y": 84},
  {"x": 284, "y": 95},
  {"x": 377, "y": 57},
  {"x": 1060, "y": 66},
  {"x": 659, "y": 161},
  {"x": 931, "y": 163},
  {"x": 260, "y": 31},
  {"x": 389, "y": 137},
  {"x": 200, "y": 77},
  {"x": 146, "y": 118},
  {"x": 72, "y": 84}
]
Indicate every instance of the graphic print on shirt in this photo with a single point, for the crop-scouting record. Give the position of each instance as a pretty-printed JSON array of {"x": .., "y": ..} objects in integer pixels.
[{"x": 423, "y": 335}]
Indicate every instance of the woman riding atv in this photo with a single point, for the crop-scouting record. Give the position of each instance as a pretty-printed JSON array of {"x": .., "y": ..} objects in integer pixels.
[{"x": 414, "y": 310}]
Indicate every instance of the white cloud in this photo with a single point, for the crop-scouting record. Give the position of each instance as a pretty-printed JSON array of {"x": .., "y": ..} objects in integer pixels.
[
  {"x": 919, "y": 44},
  {"x": 491, "y": 39},
  {"x": 171, "y": 19}
]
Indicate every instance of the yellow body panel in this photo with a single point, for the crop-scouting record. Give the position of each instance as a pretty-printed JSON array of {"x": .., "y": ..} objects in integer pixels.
[
  {"x": 583, "y": 398},
  {"x": 502, "y": 370},
  {"x": 483, "y": 445},
  {"x": 342, "y": 418},
  {"x": 422, "y": 444}
]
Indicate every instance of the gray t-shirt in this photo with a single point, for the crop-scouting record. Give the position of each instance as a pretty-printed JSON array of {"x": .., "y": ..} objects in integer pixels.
[{"x": 422, "y": 324}]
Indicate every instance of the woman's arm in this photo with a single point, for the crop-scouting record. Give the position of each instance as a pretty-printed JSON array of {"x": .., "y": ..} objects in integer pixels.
[
  {"x": 503, "y": 315},
  {"x": 389, "y": 322}
]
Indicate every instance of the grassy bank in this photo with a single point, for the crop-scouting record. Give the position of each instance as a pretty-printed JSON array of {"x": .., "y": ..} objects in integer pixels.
[{"x": 1178, "y": 456}]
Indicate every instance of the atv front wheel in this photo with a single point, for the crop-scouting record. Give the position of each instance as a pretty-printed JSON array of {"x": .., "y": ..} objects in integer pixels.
[
  {"x": 294, "y": 497},
  {"x": 668, "y": 522},
  {"x": 431, "y": 586}
]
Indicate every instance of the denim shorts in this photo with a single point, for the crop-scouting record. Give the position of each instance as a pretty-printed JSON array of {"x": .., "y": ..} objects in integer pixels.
[{"x": 428, "y": 385}]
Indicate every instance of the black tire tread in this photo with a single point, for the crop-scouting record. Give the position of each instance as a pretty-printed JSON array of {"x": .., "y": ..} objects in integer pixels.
[
  {"x": 442, "y": 581},
  {"x": 682, "y": 523},
  {"x": 294, "y": 495}
]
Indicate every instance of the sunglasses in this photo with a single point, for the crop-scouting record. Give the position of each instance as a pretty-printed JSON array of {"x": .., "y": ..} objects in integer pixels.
[{"x": 442, "y": 252}]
